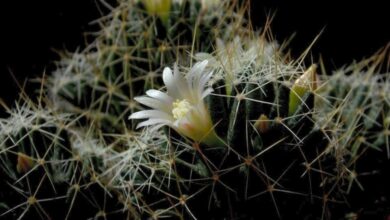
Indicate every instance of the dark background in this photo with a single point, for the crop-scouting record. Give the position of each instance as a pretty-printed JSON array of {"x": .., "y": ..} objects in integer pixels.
[{"x": 30, "y": 30}]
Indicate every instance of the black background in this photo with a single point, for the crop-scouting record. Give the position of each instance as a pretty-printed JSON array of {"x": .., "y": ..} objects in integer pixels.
[{"x": 30, "y": 30}]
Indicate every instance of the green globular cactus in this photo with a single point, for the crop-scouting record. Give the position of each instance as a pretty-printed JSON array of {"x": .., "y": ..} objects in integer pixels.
[
  {"x": 46, "y": 163},
  {"x": 84, "y": 104},
  {"x": 355, "y": 112},
  {"x": 253, "y": 129},
  {"x": 126, "y": 57},
  {"x": 237, "y": 130},
  {"x": 276, "y": 149}
]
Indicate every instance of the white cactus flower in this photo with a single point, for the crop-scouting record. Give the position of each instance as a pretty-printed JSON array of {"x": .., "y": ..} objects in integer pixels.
[{"x": 182, "y": 107}]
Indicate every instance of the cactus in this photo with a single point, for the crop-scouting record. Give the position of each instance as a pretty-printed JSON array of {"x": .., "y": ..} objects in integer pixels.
[
  {"x": 355, "y": 112},
  {"x": 94, "y": 88},
  {"x": 237, "y": 130},
  {"x": 135, "y": 41},
  {"x": 253, "y": 128}
]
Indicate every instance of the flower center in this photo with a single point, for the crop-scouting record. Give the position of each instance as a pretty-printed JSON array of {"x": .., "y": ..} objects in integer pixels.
[{"x": 180, "y": 108}]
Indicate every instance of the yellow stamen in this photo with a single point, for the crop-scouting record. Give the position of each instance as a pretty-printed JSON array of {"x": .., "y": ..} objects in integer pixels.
[{"x": 180, "y": 108}]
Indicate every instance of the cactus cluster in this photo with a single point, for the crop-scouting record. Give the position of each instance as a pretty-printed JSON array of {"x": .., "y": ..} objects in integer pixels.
[{"x": 237, "y": 130}]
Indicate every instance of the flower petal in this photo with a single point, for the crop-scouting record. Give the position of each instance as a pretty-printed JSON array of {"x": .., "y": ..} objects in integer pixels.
[
  {"x": 195, "y": 77},
  {"x": 154, "y": 121},
  {"x": 169, "y": 82},
  {"x": 206, "y": 92},
  {"x": 150, "y": 114},
  {"x": 203, "y": 81},
  {"x": 180, "y": 83},
  {"x": 159, "y": 95},
  {"x": 197, "y": 69},
  {"x": 175, "y": 83},
  {"x": 154, "y": 103}
]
